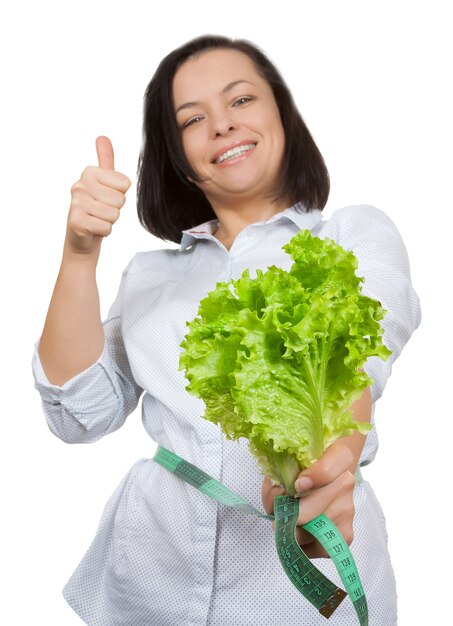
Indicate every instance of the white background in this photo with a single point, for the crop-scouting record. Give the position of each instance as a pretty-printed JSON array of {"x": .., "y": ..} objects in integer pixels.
[{"x": 372, "y": 80}]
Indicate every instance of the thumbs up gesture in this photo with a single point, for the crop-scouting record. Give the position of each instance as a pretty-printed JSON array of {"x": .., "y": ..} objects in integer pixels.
[{"x": 96, "y": 200}]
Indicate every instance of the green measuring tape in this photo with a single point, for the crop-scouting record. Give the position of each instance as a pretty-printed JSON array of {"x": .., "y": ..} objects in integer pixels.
[
  {"x": 312, "y": 583},
  {"x": 308, "y": 579}
]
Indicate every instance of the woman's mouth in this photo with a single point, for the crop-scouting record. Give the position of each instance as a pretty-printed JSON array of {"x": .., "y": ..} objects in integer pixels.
[{"x": 234, "y": 152}]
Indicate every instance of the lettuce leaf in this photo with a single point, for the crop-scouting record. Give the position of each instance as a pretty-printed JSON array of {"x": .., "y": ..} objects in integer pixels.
[{"x": 277, "y": 358}]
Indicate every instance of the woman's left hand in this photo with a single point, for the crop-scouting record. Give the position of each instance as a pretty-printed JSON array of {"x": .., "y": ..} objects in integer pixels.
[{"x": 328, "y": 487}]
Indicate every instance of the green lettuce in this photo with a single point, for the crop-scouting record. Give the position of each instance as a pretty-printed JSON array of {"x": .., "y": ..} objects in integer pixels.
[{"x": 277, "y": 358}]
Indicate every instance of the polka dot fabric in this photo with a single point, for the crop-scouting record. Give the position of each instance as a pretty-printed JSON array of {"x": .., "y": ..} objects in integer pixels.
[{"x": 164, "y": 553}]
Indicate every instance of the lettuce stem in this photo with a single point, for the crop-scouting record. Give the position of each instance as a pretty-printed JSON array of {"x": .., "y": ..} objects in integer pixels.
[
  {"x": 316, "y": 423},
  {"x": 289, "y": 469}
]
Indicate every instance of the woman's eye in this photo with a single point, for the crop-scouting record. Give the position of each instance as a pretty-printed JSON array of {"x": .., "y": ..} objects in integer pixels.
[
  {"x": 192, "y": 120},
  {"x": 242, "y": 100}
]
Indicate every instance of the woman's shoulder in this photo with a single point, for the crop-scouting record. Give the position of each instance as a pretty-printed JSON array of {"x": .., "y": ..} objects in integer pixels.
[
  {"x": 154, "y": 260},
  {"x": 358, "y": 220},
  {"x": 359, "y": 213}
]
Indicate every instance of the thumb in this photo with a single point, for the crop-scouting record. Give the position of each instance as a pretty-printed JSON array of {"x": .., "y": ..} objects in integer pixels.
[
  {"x": 104, "y": 151},
  {"x": 336, "y": 460}
]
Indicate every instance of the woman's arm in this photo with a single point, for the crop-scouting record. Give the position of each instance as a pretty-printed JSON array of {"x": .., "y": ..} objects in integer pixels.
[
  {"x": 384, "y": 263},
  {"x": 81, "y": 367},
  {"x": 73, "y": 337}
]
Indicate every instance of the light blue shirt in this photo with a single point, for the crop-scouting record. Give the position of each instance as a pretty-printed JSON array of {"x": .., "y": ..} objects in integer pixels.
[{"x": 164, "y": 553}]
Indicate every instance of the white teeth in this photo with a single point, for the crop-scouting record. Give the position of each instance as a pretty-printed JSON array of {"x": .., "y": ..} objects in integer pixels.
[{"x": 234, "y": 152}]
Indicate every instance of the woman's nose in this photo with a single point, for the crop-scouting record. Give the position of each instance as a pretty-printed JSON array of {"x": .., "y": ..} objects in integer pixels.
[
  {"x": 224, "y": 131},
  {"x": 222, "y": 124}
]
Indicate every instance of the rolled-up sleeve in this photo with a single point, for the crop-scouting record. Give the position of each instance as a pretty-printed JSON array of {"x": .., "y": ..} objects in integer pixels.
[
  {"x": 384, "y": 265},
  {"x": 98, "y": 400}
]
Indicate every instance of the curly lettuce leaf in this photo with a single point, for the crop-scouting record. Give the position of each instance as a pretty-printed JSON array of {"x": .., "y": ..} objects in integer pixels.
[{"x": 277, "y": 358}]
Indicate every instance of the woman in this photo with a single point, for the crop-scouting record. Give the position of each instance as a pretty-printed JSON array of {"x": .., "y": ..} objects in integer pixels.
[{"x": 229, "y": 170}]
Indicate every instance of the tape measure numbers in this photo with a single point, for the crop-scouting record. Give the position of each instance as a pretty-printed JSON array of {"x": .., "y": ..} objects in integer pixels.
[
  {"x": 316, "y": 588},
  {"x": 308, "y": 579},
  {"x": 325, "y": 531}
]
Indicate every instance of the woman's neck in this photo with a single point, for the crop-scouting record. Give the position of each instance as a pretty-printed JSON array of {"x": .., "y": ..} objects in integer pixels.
[{"x": 233, "y": 219}]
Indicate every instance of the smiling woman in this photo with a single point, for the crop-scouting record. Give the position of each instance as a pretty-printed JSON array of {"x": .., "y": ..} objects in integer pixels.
[
  {"x": 206, "y": 98},
  {"x": 232, "y": 136},
  {"x": 229, "y": 170}
]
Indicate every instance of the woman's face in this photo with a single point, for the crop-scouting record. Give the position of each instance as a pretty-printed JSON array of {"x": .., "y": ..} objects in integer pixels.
[{"x": 230, "y": 126}]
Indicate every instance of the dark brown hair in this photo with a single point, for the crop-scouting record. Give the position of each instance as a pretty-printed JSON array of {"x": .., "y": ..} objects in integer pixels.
[{"x": 167, "y": 202}]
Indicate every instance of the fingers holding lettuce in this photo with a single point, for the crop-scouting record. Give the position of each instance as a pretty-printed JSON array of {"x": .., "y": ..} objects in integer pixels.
[{"x": 328, "y": 488}]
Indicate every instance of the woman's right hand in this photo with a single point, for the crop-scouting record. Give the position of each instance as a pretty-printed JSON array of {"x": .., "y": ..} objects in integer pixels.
[{"x": 96, "y": 200}]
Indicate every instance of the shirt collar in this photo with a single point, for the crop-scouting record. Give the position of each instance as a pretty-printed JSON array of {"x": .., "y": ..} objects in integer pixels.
[{"x": 296, "y": 213}]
